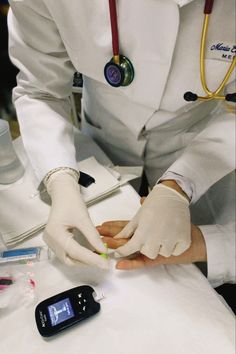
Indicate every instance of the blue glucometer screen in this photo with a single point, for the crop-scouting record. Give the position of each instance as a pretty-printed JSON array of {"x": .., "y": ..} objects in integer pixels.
[{"x": 60, "y": 311}]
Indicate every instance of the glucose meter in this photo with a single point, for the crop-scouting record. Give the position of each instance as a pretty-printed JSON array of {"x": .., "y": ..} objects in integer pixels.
[{"x": 66, "y": 309}]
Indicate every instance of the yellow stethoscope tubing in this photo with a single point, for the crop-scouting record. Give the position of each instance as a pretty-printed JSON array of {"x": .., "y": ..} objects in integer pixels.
[{"x": 211, "y": 94}]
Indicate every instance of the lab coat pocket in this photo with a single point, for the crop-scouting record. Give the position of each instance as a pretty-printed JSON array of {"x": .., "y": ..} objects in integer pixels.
[{"x": 114, "y": 139}]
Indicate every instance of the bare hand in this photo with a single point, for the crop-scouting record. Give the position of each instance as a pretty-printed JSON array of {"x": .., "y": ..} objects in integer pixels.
[{"x": 196, "y": 252}]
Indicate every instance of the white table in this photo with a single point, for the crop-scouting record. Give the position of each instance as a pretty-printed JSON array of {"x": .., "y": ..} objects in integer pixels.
[{"x": 162, "y": 310}]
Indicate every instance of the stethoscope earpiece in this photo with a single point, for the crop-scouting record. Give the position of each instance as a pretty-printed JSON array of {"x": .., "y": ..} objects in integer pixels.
[
  {"x": 121, "y": 74},
  {"x": 231, "y": 97},
  {"x": 190, "y": 96}
]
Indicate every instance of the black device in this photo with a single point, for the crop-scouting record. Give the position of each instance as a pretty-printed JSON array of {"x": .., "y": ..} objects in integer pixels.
[
  {"x": 66, "y": 309},
  {"x": 85, "y": 180}
]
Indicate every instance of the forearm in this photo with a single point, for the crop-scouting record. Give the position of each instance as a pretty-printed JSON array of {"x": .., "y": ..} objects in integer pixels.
[
  {"x": 47, "y": 134},
  {"x": 209, "y": 157},
  {"x": 43, "y": 88}
]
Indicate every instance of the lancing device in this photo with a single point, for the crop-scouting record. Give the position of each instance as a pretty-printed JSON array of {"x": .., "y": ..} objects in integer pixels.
[{"x": 105, "y": 255}]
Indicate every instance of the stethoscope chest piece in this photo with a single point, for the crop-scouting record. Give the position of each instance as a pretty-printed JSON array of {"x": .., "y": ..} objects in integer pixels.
[{"x": 121, "y": 74}]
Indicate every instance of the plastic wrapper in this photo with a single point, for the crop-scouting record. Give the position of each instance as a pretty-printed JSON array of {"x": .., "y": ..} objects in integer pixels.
[{"x": 18, "y": 278}]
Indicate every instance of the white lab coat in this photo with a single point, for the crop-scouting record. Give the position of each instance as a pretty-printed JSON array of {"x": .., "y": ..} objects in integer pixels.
[{"x": 147, "y": 122}]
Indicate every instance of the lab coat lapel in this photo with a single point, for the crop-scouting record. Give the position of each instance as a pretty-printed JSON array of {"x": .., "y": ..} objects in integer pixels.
[
  {"x": 147, "y": 34},
  {"x": 150, "y": 50}
]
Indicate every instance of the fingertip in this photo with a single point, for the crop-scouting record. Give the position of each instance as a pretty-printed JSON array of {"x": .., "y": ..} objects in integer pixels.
[
  {"x": 166, "y": 251},
  {"x": 180, "y": 248},
  {"x": 127, "y": 264},
  {"x": 101, "y": 247},
  {"x": 121, "y": 265},
  {"x": 127, "y": 231},
  {"x": 102, "y": 261},
  {"x": 126, "y": 250},
  {"x": 147, "y": 251},
  {"x": 119, "y": 235}
]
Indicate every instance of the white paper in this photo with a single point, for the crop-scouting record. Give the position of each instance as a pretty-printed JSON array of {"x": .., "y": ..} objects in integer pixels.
[{"x": 24, "y": 211}]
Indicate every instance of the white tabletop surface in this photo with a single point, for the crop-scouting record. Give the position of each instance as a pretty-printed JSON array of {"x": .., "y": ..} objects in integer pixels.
[{"x": 161, "y": 310}]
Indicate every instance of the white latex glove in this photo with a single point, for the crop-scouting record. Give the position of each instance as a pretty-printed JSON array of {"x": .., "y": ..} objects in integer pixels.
[
  {"x": 68, "y": 213},
  {"x": 161, "y": 226}
]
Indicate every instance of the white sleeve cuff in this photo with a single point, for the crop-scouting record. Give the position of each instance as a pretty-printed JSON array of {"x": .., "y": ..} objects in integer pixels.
[
  {"x": 220, "y": 244},
  {"x": 184, "y": 183}
]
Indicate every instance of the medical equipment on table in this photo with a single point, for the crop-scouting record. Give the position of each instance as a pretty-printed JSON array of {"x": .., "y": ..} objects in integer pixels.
[
  {"x": 5, "y": 282},
  {"x": 105, "y": 255},
  {"x": 66, "y": 309},
  {"x": 190, "y": 96},
  {"x": 25, "y": 255}
]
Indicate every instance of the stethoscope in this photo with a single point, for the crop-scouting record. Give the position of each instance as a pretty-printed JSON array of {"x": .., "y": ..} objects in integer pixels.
[
  {"x": 190, "y": 96},
  {"x": 119, "y": 70}
]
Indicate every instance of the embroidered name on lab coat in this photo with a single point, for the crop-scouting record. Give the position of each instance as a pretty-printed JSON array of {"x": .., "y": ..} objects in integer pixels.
[{"x": 221, "y": 51}]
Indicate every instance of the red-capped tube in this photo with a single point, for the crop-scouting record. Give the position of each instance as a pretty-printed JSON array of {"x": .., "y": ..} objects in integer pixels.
[
  {"x": 114, "y": 27},
  {"x": 208, "y": 7}
]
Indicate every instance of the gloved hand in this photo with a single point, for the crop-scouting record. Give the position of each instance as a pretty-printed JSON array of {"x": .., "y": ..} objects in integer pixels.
[
  {"x": 68, "y": 213},
  {"x": 161, "y": 226}
]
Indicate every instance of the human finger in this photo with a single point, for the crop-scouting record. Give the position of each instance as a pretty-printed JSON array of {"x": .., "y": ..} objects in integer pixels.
[
  {"x": 78, "y": 253},
  {"x": 139, "y": 261},
  {"x": 111, "y": 228},
  {"x": 114, "y": 243},
  {"x": 132, "y": 246},
  {"x": 166, "y": 250},
  {"x": 150, "y": 251},
  {"x": 92, "y": 235},
  {"x": 128, "y": 230},
  {"x": 180, "y": 248}
]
